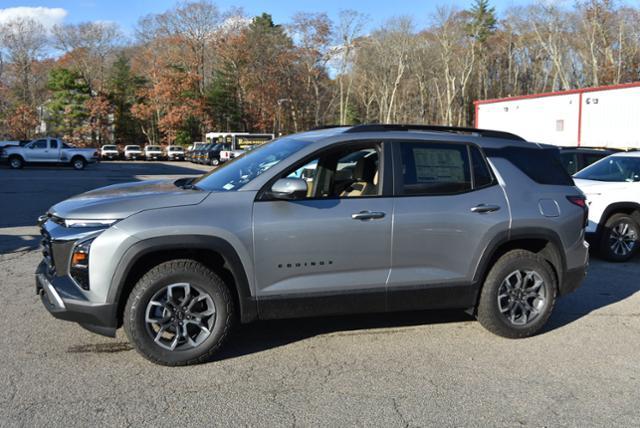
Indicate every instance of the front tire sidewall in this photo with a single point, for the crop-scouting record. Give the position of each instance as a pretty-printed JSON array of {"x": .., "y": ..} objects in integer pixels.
[
  {"x": 488, "y": 311},
  {"x": 135, "y": 324}
]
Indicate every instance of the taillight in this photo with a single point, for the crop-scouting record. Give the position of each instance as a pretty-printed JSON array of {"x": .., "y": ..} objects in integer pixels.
[{"x": 581, "y": 201}]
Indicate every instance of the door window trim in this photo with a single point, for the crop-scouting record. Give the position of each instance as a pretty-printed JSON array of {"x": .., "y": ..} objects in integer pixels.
[
  {"x": 398, "y": 177},
  {"x": 386, "y": 176}
]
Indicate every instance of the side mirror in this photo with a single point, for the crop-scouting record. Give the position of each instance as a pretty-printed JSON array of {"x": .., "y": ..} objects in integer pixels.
[{"x": 289, "y": 189}]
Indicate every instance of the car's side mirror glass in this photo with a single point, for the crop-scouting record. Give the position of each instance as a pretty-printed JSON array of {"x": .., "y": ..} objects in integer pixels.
[{"x": 289, "y": 189}]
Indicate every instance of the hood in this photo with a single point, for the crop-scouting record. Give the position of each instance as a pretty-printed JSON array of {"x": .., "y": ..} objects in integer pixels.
[
  {"x": 122, "y": 200},
  {"x": 590, "y": 187}
]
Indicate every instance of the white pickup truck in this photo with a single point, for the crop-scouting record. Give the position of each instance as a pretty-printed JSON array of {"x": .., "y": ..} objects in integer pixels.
[{"x": 48, "y": 150}]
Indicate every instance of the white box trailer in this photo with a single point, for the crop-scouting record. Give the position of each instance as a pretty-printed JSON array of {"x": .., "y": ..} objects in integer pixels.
[{"x": 606, "y": 116}]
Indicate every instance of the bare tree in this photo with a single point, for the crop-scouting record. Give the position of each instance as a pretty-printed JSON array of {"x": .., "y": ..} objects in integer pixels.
[
  {"x": 23, "y": 42},
  {"x": 88, "y": 46},
  {"x": 312, "y": 32},
  {"x": 349, "y": 29}
]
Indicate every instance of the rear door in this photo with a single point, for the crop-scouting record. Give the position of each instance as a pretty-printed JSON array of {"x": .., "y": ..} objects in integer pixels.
[
  {"x": 448, "y": 207},
  {"x": 54, "y": 151}
]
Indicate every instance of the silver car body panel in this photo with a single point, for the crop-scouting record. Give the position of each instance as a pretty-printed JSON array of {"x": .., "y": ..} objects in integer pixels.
[{"x": 315, "y": 247}]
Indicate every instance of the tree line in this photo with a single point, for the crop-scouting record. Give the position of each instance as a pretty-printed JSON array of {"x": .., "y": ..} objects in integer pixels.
[{"x": 196, "y": 68}]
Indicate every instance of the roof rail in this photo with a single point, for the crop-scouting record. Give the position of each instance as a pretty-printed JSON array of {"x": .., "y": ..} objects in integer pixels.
[
  {"x": 376, "y": 127},
  {"x": 321, "y": 127}
]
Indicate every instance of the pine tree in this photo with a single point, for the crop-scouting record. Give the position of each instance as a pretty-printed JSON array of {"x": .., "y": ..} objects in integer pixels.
[
  {"x": 223, "y": 100},
  {"x": 123, "y": 85},
  {"x": 67, "y": 105},
  {"x": 483, "y": 20}
]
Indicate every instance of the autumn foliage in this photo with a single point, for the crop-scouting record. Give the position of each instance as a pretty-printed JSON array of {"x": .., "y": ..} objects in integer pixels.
[{"x": 195, "y": 68}]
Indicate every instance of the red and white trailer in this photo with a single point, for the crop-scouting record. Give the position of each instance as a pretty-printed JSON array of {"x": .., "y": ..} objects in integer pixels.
[{"x": 606, "y": 116}]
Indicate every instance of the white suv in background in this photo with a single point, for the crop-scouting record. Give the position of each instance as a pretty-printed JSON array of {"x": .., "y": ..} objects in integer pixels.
[
  {"x": 133, "y": 152},
  {"x": 153, "y": 153},
  {"x": 175, "y": 153},
  {"x": 612, "y": 187}
]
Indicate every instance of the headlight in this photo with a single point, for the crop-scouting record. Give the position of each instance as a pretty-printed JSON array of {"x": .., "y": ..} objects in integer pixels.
[
  {"x": 79, "y": 267},
  {"x": 88, "y": 223}
]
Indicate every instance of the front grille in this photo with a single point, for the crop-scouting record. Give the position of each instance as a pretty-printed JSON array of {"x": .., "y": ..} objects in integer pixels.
[{"x": 47, "y": 252}]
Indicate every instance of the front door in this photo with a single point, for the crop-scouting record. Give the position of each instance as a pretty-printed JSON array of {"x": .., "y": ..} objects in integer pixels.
[
  {"x": 37, "y": 151},
  {"x": 449, "y": 207},
  {"x": 329, "y": 252}
]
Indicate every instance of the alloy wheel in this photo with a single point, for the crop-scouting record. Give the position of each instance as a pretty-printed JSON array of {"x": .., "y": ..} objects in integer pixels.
[
  {"x": 522, "y": 297},
  {"x": 180, "y": 316},
  {"x": 622, "y": 239}
]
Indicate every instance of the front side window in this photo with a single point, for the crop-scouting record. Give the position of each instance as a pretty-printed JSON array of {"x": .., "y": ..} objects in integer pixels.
[
  {"x": 345, "y": 172},
  {"x": 241, "y": 170},
  {"x": 40, "y": 144},
  {"x": 53, "y": 144},
  {"x": 613, "y": 168},
  {"x": 434, "y": 169}
]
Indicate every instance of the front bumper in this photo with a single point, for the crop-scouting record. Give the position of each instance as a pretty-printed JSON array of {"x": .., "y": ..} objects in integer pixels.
[{"x": 63, "y": 300}]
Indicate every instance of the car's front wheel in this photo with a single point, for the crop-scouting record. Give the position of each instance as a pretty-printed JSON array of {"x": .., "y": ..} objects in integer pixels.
[
  {"x": 620, "y": 238},
  {"x": 179, "y": 313},
  {"x": 518, "y": 295}
]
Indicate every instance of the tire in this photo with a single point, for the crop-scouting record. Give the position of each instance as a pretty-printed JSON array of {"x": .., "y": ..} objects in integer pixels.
[
  {"x": 202, "y": 281},
  {"x": 78, "y": 163},
  {"x": 491, "y": 308},
  {"x": 16, "y": 162},
  {"x": 215, "y": 162},
  {"x": 619, "y": 239}
]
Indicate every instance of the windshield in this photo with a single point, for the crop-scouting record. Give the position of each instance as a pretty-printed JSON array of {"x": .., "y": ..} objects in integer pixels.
[
  {"x": 241, "y": 170},
  {"x": 133, "y": 147},
  {"x": 612, "y": 168},
  {"x": 155, "y": 148},
  {"x": 175, "y": 149},
  {"x": 109, "y": 148}
]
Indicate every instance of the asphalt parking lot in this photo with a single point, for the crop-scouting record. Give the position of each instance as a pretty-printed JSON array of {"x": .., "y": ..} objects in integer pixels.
[{"x": 411, "y": 369}]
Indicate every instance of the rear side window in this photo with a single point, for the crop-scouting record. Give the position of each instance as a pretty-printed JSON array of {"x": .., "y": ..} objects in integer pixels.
[
  {"x": 569, "y": 162},
  {"x": 482, "y": 176},
  {"x": 592, "y": 158},
  {"x": 434, "y": 169},
  {"x": 541, "y": 165}
]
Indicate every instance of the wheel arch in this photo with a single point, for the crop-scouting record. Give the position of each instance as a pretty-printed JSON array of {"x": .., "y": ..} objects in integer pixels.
[
  {"x": 215, "y": 253},
  {"x": 627, "y": 207},
  {"x": 545, "y": 243}
]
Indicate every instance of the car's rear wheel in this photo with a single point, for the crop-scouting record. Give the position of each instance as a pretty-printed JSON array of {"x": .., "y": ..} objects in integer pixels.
[
  {"x": 16, "y": 162},
  {"x": 179, "y": 313},
  {"x": 518, "y": 295},
  {"x": 78, "y": 163},
  {"x": 620, "y": 238},
  {"x": 215, "y": 162}
]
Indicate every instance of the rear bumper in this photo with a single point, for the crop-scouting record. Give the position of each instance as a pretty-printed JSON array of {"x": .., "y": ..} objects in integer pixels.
[{"x": 62, "y": 299}]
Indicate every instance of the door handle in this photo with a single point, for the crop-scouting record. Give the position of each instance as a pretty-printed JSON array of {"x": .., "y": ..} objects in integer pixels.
[
  {"x": 484, "y": 208},
  {"x": 367, "y": 215}
]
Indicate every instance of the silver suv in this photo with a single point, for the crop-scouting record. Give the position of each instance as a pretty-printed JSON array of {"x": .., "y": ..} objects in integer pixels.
[{"x": 369, "y": 218}]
